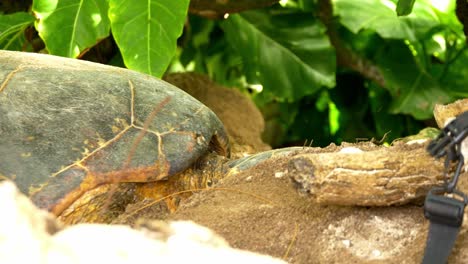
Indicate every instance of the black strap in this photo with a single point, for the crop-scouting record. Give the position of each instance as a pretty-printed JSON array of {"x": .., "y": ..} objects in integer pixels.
[
  {"x": 440, "y": 241},
  {"x": 444, "y": 212},
  {"x": 446, "y": 216}
]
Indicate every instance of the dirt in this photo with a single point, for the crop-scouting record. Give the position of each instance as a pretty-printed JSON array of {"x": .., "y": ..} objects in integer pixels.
[{"x": 261, "y": 210}]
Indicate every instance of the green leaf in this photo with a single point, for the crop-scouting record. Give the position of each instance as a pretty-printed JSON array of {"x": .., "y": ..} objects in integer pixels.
[
  {"x": 288, "y": 53},
  {"x": 414, "y": 90},
  {"x": 386, "y": 124},
  {"x": 404, "y": 7},
  {"x": 455, "y": 76},
  {"x": 197, "y": 38},
  {"x": 68, "y": 27},
  {"x": 379, "y": 15},
  {"x": 12, "y": 30},
  {"x": 146, "y": 32},
  {"x": 308, "y": 5}
]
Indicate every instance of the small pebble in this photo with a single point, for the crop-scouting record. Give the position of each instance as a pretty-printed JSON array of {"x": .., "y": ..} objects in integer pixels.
[
  {"x": 279, "y": 174},
  {"x": 417, "y": 141},
  {"x": 346, "y": 243},
  {"x": 376, "y": 253},
  {"x": 350, "y": 150},
  {"x": 248, "y": 178}
]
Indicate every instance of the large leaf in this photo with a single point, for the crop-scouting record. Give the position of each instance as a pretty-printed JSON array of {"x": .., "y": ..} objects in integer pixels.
[
  {"x": 380, "y": 16},
  {"x": 454, "y": 75},
  {"x": 289, "y": 54},
  {"x": 414, "y": 90},
  {"x": 68, "y": 27},
  {"x": 146, "y": 32},
  {"x": 12, "y": 30}
]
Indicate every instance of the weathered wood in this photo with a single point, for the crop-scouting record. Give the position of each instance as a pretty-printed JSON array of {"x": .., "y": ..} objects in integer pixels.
[
  {"x": 372, "y": 177},
  {"x": 446, "y": 113}
]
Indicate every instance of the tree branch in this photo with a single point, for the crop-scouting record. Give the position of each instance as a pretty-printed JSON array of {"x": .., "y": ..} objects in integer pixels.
[
  {"x": 345, "y": 56},
  {"x": 216, "y": 9}
]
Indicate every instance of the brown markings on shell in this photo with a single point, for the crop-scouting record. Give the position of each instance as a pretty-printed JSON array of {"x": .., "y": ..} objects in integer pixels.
[
  {"x": 145, "y": 125},
  {"x": 8, "y": 78}
]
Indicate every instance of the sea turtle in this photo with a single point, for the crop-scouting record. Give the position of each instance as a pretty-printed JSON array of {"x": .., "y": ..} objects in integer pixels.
[{"x": 68, "y": 126}]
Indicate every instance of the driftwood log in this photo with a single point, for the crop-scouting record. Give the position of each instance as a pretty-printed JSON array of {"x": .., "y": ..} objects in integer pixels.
[{"x": 370, "y": 176}]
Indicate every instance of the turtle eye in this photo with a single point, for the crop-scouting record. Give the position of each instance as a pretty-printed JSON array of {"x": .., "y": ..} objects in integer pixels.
[{"x": 209, "y": 183}]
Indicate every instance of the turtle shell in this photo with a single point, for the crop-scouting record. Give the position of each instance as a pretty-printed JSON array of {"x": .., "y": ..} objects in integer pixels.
[{"x": 67, "y": 126}]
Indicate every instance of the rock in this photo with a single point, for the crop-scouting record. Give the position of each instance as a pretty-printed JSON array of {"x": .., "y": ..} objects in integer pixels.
[
  {"x": 23, "y": 228},
  {"x": 29, "y": 235}
]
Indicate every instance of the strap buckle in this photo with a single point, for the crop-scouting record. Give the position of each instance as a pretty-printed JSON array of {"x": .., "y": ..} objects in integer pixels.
[
  {"x": 448, "y": 143},
  {"x": 450, "y": 138},
  {"x": 443, "y": 209}
]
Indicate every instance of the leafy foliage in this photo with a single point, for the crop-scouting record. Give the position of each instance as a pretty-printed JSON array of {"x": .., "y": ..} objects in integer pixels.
[
  {"x": 287, "y": 52},
  {"x": 381, "y": 18},
  {"x": 412, "y": 79},
  {"x": 12, "y": 29},
  {"x": 145, "y": 31},
  {"x": 322, "y": 70}
]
